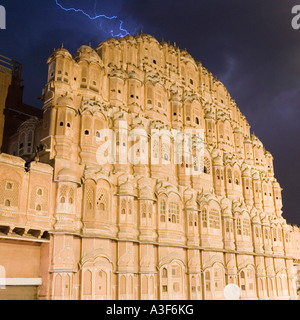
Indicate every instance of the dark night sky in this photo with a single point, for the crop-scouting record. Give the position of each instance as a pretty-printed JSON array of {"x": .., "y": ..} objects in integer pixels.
[{"x": 249, "y": 45}]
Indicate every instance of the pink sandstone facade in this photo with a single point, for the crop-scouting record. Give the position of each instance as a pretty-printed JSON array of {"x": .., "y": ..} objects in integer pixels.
[{"x": 79, "y": 230}]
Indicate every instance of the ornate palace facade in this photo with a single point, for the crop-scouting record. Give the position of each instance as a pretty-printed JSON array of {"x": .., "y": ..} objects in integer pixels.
[{"x": 135, "y": 231}]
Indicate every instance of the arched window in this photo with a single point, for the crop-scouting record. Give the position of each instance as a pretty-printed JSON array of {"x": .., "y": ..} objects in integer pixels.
[
  {"x": 89, "y": 198},
  {"x": 274, "y": 234},
  {"x": 239, "y": 226},
  {"x": 218, "y": 279},
  {"x": 71, "y": 196},
  {"x": 174, "y": 212},
  {"x": 123, "y": 206},
  {"x": 214, "y": 219},
  {"x": 165, "y": 273},
  {"x": 102, "y": 199},
  {"x": 246, "y": 227},
  {"x": 236, "y": 178},
  {"x": 207, "y": 280},
  {"x": 229, "y": 176},
  {"x": 204, "y": 218},
  {"x": 206, "y": 165},
  {"x": 144, "y": 214},
  {"x": 162, "y": 211}
]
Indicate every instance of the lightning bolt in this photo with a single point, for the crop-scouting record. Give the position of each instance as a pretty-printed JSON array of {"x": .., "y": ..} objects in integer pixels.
[{"x": 123, "y": 32}]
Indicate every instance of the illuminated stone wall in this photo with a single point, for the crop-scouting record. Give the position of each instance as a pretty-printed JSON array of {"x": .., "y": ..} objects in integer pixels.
[{"x": 150, "y": 231}]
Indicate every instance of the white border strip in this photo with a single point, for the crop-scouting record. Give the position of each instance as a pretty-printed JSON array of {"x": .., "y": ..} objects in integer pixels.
[{"x": 21, "y": 281}]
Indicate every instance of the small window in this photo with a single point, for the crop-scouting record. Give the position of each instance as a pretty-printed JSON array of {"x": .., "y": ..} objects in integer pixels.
[
  {"x": 86, "y": 132},
  {"x": 197, "y": 121},
  {"x": 9, "y": 186},
  {"x": 61, "y": 124},
  {"x": 39, "y": 192},
  {"x": 191, "y": 81},
  {"x": 164, "y": 288},
  {"x": 154, "y": 61},
  {"x": 38, "y": 207},
  {"x": 7, "y": 203}
]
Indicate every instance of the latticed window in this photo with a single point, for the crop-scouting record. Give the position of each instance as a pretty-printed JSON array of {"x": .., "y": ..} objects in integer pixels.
[
  {"x": 214, "y": 219},
  {"x": 218, "y": 279},
  {"x": 123, "y": 206},
  {"x": 218, "y": 174},
  {"x": 191, "y": 219},
  {"x": 144, "y": 208},
  {"x": 130, "y": 206},
  {"x": 71, "y": 196},
  {"x": 155, "y": 149},
  {"x": 166, "y": 151},
  {"x": 279, "y": 235},
  {"x": 229, "y": 175},
  {"x": 236, "y": 178},
  {"x": 275, "y": 235},
  {"x": 246, "y": 227},
  {"x": 266, "y": 234},
  {"x": 162, "y": 211},
  {"x": 207, "y": 280},
  {"x": 102, "y": 200},
  {"x": 206, "y": 165},
  {"x": 204, "y": 218},
  {"x": 150, "y": 210},
  {"x": 164, "y": 273},
  {"x": 174, "y": 212},
  {"x": 63, "y": 194},
  {"x": 239, "y": 226},
  {"x": 251, "y": 279},
  {"x": 257, "y": 232},
  {"x": 39, "y": 199},
  {"x": 90, "y": 198},
  {"x": 9, "y": 193},
  {"x": 242, "y": 281}
]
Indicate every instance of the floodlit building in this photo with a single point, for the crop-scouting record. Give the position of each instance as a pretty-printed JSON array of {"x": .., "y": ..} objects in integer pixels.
[{"x": 75, "y": 227}]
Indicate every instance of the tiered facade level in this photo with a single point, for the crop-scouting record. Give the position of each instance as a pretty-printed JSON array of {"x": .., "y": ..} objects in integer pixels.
[{"x": 124, "y": 231}]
